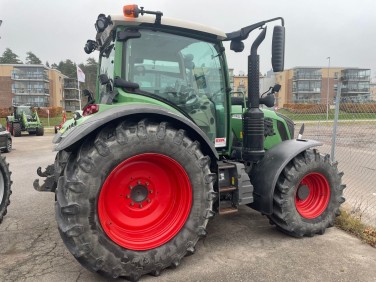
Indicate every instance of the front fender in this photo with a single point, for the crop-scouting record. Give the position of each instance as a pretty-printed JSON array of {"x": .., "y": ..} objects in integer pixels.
[
  {"x": 156, "y": 113},
  {"x": 264, "y": 175}
]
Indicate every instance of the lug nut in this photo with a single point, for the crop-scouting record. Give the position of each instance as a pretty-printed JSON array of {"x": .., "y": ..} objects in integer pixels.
[
  {"x": 128, "y": 196},
  {"x": 148, "y": 200},
  {"x": 130, "y": 187},
  {"x": 140, "y": 206},
  {"x": 138, "y": 182},
  {"x": 151, "y": 191},
  {"x": 132, "y": 204}
]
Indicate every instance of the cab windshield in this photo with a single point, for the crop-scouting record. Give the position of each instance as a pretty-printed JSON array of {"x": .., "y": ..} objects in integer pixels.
[{"x": 185, "y": 71}]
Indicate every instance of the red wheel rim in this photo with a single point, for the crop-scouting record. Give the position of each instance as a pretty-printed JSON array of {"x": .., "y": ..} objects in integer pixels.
[
  {"x": 8, "y": 126},
  {"x": 145, "y": 201},
  {"x": 312, "y": 195}
]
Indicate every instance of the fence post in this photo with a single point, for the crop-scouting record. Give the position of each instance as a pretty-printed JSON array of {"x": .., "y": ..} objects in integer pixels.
[{"x": 336, "y": 114}]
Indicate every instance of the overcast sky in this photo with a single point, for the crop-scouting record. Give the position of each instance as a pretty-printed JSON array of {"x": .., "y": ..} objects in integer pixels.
[{"x": 343, "y": 30}]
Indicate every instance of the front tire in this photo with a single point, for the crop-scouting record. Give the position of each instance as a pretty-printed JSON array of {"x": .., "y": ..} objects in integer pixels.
[
  {"x": 40, "y": 131},
  {"x": 5, "y": 187},
  {"x": 16, "y": 129},
  {"x": 134, "y": 200},
  {"x": 308, "y": 195}
]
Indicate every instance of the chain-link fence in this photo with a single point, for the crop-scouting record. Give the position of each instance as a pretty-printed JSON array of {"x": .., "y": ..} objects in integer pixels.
[{"x": 354, "y": 146}]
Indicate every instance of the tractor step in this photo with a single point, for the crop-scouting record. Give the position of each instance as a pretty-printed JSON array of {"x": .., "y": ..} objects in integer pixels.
[
  {"x": 224, "y": 166},
  {"x": 227, "y": 189},
  {"x": 234, "y": 187},
  {"x": 231, "y": 210}
]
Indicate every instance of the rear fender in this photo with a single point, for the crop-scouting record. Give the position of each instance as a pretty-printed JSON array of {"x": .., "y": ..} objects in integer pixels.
[
  {"x": 77, "y": 134},
  {"x": 264, "y": 175}
]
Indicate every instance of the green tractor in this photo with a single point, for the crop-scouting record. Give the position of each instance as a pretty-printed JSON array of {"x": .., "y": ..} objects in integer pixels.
[
  {"x": 24, "y": 118},
  {"x": 5, "y": 187},
  {"x": 162, "y": 148}
]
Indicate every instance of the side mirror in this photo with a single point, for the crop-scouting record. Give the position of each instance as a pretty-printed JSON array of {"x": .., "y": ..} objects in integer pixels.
[
  {"x": 276, "y": 88},
  {"x": 278, "y": 48},
  {"x": 90, "y": 46},
  {"x": 103, "y": 79},
  {"x": 90, "y": 97},
  {"x": 268, "y": 100},
  {"x": 237, "y": 46}
]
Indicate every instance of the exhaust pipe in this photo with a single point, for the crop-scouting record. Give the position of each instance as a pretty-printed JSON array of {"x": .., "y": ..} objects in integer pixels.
[{"x": 253, "y": 118}]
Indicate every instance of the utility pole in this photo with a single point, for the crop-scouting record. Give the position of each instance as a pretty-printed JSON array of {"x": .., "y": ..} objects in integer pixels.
[{"x": 327, "y": 94}]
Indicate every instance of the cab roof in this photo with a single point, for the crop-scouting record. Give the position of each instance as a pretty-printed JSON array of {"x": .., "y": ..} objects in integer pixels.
[{"x": 167, "y": 22}]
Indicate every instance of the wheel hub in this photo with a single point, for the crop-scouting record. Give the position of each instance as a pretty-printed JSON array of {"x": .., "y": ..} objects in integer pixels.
[
  {"x": 312, "y": 195},
  {"x": 303, "y": 192},
  {"x": 139, "y": 193}
]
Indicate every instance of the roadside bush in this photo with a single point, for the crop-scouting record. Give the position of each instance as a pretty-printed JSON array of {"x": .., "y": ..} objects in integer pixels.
[
  {"x": 358, "y": 108},
  {"x": 42, "y": 112},
  {"x": 54, "y": 111},
  {"x": 4, "y": 112},
  {"x": 305, "y": 108}
]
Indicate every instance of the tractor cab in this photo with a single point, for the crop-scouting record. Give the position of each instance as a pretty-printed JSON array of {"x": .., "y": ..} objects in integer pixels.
[
  {"x": 26, "y": 111},
  {"x": 175, "y": 64}
]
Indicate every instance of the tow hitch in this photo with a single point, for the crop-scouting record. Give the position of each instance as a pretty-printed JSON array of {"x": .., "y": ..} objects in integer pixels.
[{"x": 49, "y": 184}]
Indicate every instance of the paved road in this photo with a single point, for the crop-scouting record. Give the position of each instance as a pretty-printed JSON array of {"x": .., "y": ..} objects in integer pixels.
[{"x": 240, "y": 247}]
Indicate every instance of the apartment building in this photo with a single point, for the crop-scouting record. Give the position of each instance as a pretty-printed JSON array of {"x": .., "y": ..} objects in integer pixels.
[
  {"x": 71, "y": 94},
  {"x": 240, "y": 83},
  {"x": 34, "y": 85},
  {"x": 372, "y": 91},
  {"x": 37, "y": 86},
  {"x": 319, "y": 85},
  {"x": 355, "y": 85},
  {"x": 30, "y": 85}
]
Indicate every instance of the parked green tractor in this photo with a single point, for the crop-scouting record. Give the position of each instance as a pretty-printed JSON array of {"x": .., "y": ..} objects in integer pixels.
[
  {"x": 24, "y": 118},
  {"x": 5, "y": 187},
  {"x": 162, "y": 148}
]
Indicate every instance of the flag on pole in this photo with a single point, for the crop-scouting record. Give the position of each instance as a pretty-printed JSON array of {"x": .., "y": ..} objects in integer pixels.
[{"x": 80, "y": 75}]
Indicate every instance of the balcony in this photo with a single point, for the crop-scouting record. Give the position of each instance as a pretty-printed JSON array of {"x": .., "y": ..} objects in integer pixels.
[
  {"x": 30, "y": 91},
  {"x": 307, "y": 90},
  {"x": 307, "y": 77},
  {"x": 356, "y": 77},
  {"x": 34, "y": 101},
  {"x": 71, "y": 85},
  {"x": 29, "y": 76},
  {"x": 72, "y": 97},
  {"x": 355, "y": 90}
]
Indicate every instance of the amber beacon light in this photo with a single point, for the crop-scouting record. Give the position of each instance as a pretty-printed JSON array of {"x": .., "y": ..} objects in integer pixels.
[{"x": 131, "y": 11}]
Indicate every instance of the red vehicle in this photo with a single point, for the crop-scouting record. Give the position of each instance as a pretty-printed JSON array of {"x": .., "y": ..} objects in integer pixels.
[{"x": 58, "y": 127}]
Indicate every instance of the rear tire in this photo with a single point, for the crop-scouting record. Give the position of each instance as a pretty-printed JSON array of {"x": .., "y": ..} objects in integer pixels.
[
  {"x": 5, "y": 187},
  {"x": 308, "y": 195},
  {"x": 40, "y": 131},
  {"x": 149, "y": 161},
  {"x": 16, "y": 129}
]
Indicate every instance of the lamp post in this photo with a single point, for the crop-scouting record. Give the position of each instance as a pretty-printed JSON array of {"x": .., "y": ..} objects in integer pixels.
[{"x": 327, "y": 93}]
